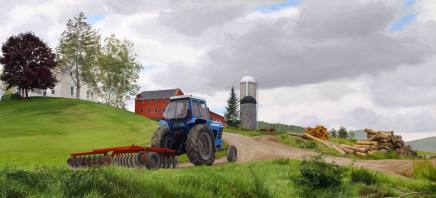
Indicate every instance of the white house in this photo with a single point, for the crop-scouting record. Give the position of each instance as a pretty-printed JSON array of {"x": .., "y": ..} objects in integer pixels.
[{"x": 66, "y": 88}]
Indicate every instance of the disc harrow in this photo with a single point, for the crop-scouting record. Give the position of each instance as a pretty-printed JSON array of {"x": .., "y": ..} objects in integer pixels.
[{"x": 126, "y": 156}]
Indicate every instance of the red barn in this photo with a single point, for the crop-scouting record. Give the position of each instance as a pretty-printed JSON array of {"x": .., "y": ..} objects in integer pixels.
[{"x": 151, "y": 104}]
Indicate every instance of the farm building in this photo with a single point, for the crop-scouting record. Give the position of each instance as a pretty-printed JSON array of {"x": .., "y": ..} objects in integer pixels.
[{"x": 151, "y": 104}]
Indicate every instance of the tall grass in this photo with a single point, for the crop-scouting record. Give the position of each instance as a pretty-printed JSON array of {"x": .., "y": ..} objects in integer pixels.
[{"x": 424, "y": 169}]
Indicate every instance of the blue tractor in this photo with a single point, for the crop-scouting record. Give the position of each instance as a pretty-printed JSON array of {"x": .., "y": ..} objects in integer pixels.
[{"x": 188, "y": 128}]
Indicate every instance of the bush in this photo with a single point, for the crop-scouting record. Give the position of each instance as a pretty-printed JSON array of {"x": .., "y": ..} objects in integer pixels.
[
  {"x": 363, "y": 176},
  {"x": 371, "y": 191},
  {"x": 317, "y": 173},
  {"x": 424, "y": 169},
  {"x": 10, "y": 96}
]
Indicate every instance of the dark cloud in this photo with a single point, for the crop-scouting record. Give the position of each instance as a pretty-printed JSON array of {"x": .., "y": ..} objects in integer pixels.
[{"x": 325, "y": 42}]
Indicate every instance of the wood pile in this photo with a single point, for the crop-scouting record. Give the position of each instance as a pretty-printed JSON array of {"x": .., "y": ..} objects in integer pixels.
[
  {"x": 383, "y": 141},
  {"x": 318, "y": 132}
]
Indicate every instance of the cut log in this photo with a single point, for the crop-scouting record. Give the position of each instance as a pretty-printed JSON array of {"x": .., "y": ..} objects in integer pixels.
[
  {"x": 347, "y": 150},
  {"x": 363, "y": 142},
  {"x": 363, "y": 150},
  {"x": 326, "y": 143},
  {"x": 372, "y": 152}
]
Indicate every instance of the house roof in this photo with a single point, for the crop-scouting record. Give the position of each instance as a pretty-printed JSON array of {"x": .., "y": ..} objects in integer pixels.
[{"x": 156, "y": 94}]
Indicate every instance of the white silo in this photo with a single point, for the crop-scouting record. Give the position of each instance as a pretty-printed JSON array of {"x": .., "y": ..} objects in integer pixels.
[{"x": 248, "y": 102}]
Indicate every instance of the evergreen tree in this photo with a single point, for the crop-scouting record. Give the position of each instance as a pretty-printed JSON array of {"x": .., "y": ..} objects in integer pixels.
[
  {"x": 343, "y": 133},
  {"x": 333, "y": 132},
  {"x": 77, "y": 52},
  {"x": 232, "y": 110},
  {"x": 117, "y": 71},
  {"x": 28, "y": 63}
]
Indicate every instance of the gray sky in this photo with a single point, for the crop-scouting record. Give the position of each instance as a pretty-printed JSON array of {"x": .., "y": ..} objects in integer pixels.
[{"x": 363, "y": 63}]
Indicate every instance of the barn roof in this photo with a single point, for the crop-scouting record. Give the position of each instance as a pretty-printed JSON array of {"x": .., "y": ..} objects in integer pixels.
[{"x": 156, "y": 94}]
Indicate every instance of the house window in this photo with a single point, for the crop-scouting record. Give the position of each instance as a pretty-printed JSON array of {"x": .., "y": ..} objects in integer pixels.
[
  {"x": 142, "y": 110},
  {"x": 72, "y": 91},
  {"x": 87, "y": 95},
  {"x": 44, "y": 93},
  {"x": 52, "y": 92},
  {"x": 155, "y": 110},
  {"x": 148, "y": 110}
]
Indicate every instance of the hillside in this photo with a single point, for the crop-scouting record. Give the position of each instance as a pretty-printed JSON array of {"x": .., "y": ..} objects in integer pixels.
[
  {"x": 425, "y": 144},
  {"x": 280, "y": 127},
  {"x": 45, "y": 130}
]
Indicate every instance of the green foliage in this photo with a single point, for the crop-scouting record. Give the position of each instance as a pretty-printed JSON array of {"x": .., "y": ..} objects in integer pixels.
[
  {"x": 424, "y": 169},
  {"x": 342, "y": 141},
  {"x": 343, "y": 133},
  {"x": 10, "y": 96},
  {"x": 310, "y": 144},
  {"x": 78, "y": 50},
  {"x": 333, "y": 133},
  {"x": 117, "y": 71},
  {"x": 45, "y": 130},
  {"x": 360, "y": 175},
  {"x": 232, "y": 110},
  {"x": 371, "y": 191},
  {"x": 246, "y": 132},
  {"x": 280, "y": 127},
  {"x": 319, "y": 174}
]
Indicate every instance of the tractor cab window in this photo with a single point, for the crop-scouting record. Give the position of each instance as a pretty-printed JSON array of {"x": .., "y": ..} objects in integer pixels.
[
  {"x": 176, "y": 110},
  {"x": 196, "y": 109},
  {"x": 204, "y": 111}
]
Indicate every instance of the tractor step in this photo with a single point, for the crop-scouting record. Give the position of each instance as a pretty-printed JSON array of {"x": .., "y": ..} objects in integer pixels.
[{"x": 126, "y": 156}]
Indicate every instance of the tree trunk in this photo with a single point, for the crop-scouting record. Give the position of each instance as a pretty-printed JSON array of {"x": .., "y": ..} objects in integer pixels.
[
  {"x": 27, "y": 93},
  {"x": 77, "y": 81}
]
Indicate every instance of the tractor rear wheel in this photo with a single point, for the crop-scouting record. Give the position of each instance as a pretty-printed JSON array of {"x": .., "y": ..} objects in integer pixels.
[
  {"x": 200, "y": 145},
  {"x": 163, "y": 138}
]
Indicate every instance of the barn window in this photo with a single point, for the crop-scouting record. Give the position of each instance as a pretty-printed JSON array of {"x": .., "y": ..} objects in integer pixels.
[
  {"x": 148, "y": 110},
  {"x": 142, "y": 110},
  {"x": 52, "y": 91},
  {"x": 155, "y": 110}
]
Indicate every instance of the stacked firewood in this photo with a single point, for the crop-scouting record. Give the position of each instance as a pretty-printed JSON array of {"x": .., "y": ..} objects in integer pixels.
[
  {"x": 383, "y": 141},
  {"x": 318, "y": 132}
]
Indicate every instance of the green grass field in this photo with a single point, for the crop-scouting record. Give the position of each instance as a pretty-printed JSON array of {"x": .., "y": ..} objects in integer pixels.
[
  {"x": 45, "y": 130},
  {"x": 257, "y": 179}
]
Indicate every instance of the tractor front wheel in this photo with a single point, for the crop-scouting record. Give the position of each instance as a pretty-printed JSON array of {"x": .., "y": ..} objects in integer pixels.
[
  {"x": 163, "y": 138},
  {"x": 200, "y": 145}
]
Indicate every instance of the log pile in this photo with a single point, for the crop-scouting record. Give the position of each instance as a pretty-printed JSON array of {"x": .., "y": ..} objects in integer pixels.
[
  {"x": 383, "y": 141},
  {"x": 318, "y": 132}
]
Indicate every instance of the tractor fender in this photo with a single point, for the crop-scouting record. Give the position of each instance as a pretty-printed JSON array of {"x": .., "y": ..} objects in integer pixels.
[{"x": 163, "y": 123}]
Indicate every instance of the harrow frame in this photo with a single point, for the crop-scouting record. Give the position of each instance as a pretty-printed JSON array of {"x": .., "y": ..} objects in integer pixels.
[{"x": 125, "y": 156}]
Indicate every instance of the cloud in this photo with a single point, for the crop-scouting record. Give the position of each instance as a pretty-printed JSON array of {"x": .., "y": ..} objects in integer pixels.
[{"x": 325, "y": 41}]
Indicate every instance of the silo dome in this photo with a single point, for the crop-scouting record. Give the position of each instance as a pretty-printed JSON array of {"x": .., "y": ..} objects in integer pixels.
[{"x": 247, "y": 79}]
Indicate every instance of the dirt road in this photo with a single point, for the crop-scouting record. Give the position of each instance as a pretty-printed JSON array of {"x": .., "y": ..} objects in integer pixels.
[{"x": 267, "y": 147}]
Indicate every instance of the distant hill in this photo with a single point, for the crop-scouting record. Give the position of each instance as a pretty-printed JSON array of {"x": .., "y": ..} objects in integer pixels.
[
  {"x": 425, "y": 144},
  {"x": 280, "y": 127}
]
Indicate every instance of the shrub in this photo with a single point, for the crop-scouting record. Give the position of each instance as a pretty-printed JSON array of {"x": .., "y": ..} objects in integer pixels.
[
  {"x": 317, "y": 173},
  {"x": 363, "y": 176},
  {"x": 371, "y": 191},
  {"x": 424, "y": 169},
  {"x": 10, "y": 96}
]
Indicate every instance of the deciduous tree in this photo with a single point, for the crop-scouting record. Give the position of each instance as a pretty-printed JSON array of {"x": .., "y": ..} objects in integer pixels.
[
  {"x": 77, "y": 52},
  {"x": 117, "y": 71},
  {"x": 28, "y": 63}
]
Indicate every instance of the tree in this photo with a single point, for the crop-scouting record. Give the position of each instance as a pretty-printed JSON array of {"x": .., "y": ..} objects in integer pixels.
[
  {"x": 343, "y": 133},
  {"x": 333, "y": 132},
  {"x": 28, "y": 63},
  {"x": 77, "y": 52},
  {"x": 232, "y": 110},
  {"x": 117, "y": 71}
]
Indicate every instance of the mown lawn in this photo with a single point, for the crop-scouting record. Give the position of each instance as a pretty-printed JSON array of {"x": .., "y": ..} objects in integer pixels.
[
  {"x": 45, "y": 130},
  {"x": 257, "y": 179}
]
